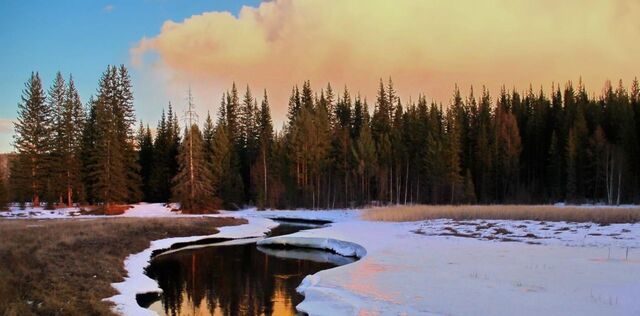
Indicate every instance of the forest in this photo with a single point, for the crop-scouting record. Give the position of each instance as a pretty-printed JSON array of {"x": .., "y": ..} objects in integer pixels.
[{"x": 336, "y": 149}]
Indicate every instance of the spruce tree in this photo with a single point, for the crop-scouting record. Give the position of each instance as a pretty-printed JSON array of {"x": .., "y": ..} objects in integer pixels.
[
  {"x": 112, "y": 158},
  {"x": 145, "y": 160},
  {"x": 125, "y": 123},
  {"x": 56, "y": 177},
  {"x": 262, "y": 166},
  {"x": 229, "y": 188},
  {"x": 366, "y": 158},
  {"x": 69, "y": 125},
  {"x": 33, "y": 139}
]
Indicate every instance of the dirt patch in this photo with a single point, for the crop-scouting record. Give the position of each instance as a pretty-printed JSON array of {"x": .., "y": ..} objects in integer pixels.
[
  {"x": 66, "y": 267},
  {"x": 502, "y": 231}
]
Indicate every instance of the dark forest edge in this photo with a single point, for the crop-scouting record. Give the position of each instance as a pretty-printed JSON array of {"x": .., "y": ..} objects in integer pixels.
[{"x": 331, "y": 153}]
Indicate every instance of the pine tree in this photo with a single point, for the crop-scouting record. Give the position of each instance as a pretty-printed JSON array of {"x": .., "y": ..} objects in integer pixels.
[
  {"x": 125, "y": 123},
  {"x": 112, "y": 160},
  {"x": 68, "y": 126},
  {"x": 482, "y": 151},
  {"x": 193, "y": 187},
  {"x": 262, "y": 165},
  {"x": 366, "y": 159},
  {"x": 434, "y": 164},
  {"x": 56, "y": 175},
  {"x": 571, "y": 157},
  {"x": 508, "y": 148},
  {"x": 451, "y": 156},
  {"x": 554, "y": 169},
  {"x": 247, "y": 142},
  {"x": 33, "y": 139},
  {"x": 229, "y": 189},
  {"x": 145, "y": 160}
]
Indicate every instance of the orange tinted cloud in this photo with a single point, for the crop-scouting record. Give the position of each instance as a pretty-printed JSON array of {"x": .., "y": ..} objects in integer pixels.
[{"x": 426, "y": 46}]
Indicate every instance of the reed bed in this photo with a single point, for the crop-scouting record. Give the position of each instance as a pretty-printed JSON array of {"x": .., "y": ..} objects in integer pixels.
[{"x": 600, "y": 214}]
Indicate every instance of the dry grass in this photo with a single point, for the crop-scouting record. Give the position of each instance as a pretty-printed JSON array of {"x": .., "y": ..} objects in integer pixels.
[
  {"x": 600, "y": 215},
  {"x": 104, "y": 210},
  {"x": 66, "y": 267}
]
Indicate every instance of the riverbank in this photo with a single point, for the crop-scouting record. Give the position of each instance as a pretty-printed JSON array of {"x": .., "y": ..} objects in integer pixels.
[
  {"x": 434, "y": 266},
  {"x": 471, "y": 267},
  {"x": 67, "y": 267}
]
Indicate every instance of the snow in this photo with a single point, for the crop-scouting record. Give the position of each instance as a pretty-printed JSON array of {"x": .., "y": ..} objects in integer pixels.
[
  {"x": 337, "y": 215},
  {"x": 409, "y": 273},
  {"x": 344, "y": 248},
  {"x": 535, "y": 232},
  {"x": 39, "y": 213},
  {"x": 436, "y": 267}
]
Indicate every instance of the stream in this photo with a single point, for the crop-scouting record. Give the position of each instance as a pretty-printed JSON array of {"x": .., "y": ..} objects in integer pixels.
[{"x": 235, "y": 277}]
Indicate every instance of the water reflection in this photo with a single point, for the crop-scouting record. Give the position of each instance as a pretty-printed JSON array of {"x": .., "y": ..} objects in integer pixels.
[{"x": 236, "y": 279}]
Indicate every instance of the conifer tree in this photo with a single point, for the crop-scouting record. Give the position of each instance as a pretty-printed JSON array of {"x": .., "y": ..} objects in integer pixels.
[
  {"x": 229, "y": 183},
  {"x": 145, "y": 160},
  {"x": 112, "y": 160},
  {"x": 262, "y": 165},
  {"x": 366, "y": 158},
  {"x": 193, "y": 187},
  {"x": 125, "y": 123},
  {"x": 554, "y": 168},
  {"x": 56, "y": 186},
  {"x": 69, "y": 125},
  {"x": 33, "y": 139},
  {"x": 451, "y": 156}
]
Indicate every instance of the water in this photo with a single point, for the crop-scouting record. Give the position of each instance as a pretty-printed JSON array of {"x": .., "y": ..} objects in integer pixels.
[{"x": 235, "y": 279}]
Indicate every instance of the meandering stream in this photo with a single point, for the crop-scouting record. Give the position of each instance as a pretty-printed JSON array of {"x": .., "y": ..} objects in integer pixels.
[{"x": 235, "y": 279}]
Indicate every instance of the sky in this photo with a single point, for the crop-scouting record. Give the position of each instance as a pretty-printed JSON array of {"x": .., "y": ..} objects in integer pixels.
[{"x": 425, "y": 46}]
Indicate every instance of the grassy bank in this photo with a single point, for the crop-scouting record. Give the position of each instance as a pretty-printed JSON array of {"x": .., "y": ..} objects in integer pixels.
[
  {"x": 600, "y": 215},
  {"x": 66, "y": 267}
]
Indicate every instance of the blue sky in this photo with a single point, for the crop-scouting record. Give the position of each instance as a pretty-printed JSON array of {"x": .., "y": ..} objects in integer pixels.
[{"x": 79, "y": 37}]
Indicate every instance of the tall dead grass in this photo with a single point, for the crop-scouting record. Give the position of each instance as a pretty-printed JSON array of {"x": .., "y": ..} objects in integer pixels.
[{"x": 600, "y": 215}]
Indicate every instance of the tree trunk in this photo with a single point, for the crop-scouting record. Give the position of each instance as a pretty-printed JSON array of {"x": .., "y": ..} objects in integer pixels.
[
  {"x": 406, "y": 183},
  {"x": 264, "y": 168}
]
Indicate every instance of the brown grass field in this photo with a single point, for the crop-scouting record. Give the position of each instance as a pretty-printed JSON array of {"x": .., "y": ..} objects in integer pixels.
[
  {"x": 600, "y": 215},
  {"x": 66, "y": 267}
]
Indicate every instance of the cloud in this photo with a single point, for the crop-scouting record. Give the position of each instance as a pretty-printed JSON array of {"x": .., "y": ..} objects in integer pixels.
[
  {"x": 6, "y": 135},
  {"x": 109, "y": 8},
  {"x": 426, "y": 46},
  {"x": 6, "y": 125}
]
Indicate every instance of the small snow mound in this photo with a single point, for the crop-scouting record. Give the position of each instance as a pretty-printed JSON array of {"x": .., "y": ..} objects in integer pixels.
[
  {"x": 308, "y": 281},
  {"x": 343, "y": 248}
]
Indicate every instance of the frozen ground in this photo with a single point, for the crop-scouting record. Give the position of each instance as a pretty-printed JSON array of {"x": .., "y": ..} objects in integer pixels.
[
  {"x": 441, "y": 267},
  {"x": 136, "y": 210},
  {"x": 445, "y": 267}
]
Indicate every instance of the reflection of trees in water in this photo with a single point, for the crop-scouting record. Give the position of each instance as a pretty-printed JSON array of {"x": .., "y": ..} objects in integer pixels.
[{"x": 231, "y": 280}]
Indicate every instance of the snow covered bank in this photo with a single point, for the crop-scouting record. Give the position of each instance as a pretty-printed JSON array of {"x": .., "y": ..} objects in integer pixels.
[
  {"x": 534, "y": 232},
  {"x": 338, "y": 215},
  {"x": 405, "y": 272},
  {"x": 343, "y": 248},
  {"x": 138, "y": 283},
  {"x": 136, "y": 210}
]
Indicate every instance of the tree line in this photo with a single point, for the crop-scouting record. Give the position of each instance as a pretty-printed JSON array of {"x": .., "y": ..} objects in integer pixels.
[{"x": 332, "y": 152}]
